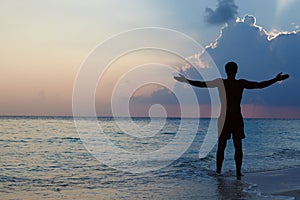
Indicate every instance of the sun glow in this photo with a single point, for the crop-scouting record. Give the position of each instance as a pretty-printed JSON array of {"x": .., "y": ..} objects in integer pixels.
[{"x": 282, "y": 5}]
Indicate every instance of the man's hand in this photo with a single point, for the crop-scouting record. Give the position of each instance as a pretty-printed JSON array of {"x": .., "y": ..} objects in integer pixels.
[
  {"x": 281, "y": 77},
  {"x": 180, "y": 78}
]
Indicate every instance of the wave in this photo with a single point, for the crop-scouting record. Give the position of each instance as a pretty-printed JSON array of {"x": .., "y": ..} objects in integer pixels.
[{"x": 168, "y": 133}]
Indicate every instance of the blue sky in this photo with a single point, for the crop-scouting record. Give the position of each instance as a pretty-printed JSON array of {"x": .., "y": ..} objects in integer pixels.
[{"x": 45, "y": 42}]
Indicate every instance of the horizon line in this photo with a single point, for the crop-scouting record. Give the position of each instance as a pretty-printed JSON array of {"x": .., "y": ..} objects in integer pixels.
[{"x": 171, "y": 117}]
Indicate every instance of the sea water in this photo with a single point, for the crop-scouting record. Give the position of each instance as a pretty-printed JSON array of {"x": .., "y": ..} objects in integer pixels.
[{"x": 45, "y": 158}]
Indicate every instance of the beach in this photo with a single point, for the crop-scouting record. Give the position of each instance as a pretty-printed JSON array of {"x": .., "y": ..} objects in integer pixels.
[
  {"x": 293, "y": 193},
  {"x": 278, "y": 182}
]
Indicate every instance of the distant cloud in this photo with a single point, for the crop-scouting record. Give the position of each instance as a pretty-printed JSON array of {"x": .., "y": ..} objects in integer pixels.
[
  {"x": 139, "y": 105},
  {"x": 226, "y": 11},
  {"x": 160, "y": 96}
]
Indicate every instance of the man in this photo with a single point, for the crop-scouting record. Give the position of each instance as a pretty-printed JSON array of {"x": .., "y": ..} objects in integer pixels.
[{"x": 231, "y": 121}]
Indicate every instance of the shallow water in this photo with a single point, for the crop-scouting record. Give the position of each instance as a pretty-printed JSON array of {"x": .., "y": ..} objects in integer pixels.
[{"x": 44, "y": 157}]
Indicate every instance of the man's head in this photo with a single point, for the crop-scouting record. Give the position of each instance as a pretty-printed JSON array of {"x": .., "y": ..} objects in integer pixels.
[{"x": 231, "y": 68}]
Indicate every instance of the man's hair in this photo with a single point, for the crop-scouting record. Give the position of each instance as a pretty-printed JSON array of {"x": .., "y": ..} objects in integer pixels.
[{"x": 231, "y": 68}]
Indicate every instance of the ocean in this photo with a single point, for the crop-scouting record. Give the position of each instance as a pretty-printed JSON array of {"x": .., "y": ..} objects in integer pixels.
[{"x": 46, "y": 158}]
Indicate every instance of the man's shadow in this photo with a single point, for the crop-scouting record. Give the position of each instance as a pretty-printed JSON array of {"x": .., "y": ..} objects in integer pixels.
[{"x": 230, "y": 188}]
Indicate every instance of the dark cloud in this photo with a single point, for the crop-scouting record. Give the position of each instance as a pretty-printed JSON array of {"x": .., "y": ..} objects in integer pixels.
[
  {"x": 226, "y": 11},
  {"x": 261, "y": 55}
]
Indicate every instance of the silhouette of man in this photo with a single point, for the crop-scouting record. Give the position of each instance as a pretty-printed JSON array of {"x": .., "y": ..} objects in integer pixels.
[{"x": 231, "y": 121}]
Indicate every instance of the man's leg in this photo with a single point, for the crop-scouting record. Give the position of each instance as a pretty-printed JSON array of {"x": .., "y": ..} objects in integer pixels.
[
  {"x": 238, "y": 156},
  {"x": 220, "y": 153}
]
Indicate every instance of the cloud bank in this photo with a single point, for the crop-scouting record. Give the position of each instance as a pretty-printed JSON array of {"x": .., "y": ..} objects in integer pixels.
[
  {"x": 226, "y": 11},
  {"x": 260, "y": 55}
]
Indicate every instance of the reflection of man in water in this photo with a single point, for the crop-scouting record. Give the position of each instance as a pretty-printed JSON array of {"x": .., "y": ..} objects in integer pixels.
[{"x": 231, "y": 120}]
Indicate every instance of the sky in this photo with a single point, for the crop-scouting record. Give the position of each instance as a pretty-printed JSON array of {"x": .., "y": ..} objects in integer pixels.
[{"x": 45, "y": 43}]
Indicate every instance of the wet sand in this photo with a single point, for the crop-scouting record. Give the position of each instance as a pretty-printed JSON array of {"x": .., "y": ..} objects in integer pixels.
[
  {"x": 293, "y": 193},
  {"x": 280, "y": 182}
]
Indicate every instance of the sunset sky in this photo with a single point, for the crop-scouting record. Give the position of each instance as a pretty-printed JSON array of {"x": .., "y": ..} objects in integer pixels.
[{"x": 44, "y": 43}]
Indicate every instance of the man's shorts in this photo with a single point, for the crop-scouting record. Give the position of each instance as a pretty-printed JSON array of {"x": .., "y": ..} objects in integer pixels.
[{"x": 233, "y": 124}]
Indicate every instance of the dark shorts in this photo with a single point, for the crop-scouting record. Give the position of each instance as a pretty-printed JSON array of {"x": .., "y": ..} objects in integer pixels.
[{"x": 233, "y": 125}]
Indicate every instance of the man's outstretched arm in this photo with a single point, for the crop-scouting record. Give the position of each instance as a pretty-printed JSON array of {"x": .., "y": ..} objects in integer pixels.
[
  {"x": 181, "y": 78},
  {"x": 263, "y": 84}
]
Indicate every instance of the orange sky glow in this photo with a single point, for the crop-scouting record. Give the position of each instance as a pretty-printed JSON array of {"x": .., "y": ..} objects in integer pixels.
[{"x": 44, "y": 44}]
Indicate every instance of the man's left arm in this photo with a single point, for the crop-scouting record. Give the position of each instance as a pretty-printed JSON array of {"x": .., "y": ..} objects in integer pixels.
[{"x": 267, "y": 83}]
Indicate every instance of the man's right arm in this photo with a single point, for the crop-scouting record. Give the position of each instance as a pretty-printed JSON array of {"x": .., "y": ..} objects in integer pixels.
[
  {"x": 263, "y": 84},
  {"x": 201, "y": 84}
]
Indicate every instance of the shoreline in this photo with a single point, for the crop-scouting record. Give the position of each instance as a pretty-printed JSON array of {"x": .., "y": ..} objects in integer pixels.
[
  {"x": 284, "y": 182},
  {"x": 291, "y": 193}
]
